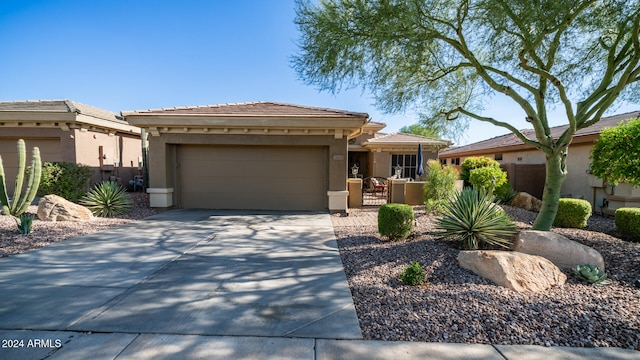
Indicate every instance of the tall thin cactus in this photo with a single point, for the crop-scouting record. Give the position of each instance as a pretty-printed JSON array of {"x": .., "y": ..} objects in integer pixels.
[{"x": 19, "y": 204}]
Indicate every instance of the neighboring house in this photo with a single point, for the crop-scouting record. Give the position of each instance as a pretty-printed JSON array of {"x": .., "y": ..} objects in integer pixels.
[
  {"x": 67, "y": 131},
  {"x": 258, "y": 155},
  {"x": 377, "y": 154},
  {"x": 525, "y": 165}
]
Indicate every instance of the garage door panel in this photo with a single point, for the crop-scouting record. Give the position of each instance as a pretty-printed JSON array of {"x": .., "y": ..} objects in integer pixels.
[
  {"x": 50, "y": 150},
  {"x": 252, "y": 177}
]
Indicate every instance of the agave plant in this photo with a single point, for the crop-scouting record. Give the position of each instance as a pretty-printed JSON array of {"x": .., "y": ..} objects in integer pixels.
[
  {"x": 591, "y": 274},
  {"x": 107, "y": 199},
  {"x": 473, "y": 218}
]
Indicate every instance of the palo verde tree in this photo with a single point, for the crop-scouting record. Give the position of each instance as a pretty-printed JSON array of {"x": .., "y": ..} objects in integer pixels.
[{"x": 449, "y": 57}]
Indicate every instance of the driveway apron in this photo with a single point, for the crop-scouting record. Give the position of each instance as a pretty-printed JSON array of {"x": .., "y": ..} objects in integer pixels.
[{"x": 187, "y": 272}]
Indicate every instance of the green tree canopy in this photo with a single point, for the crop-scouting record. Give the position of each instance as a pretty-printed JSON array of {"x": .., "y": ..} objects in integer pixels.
[
  {"x": 418, "y": 129},
  {"x": 449, "y": 58},
  {"x": 616, "y": 154}
]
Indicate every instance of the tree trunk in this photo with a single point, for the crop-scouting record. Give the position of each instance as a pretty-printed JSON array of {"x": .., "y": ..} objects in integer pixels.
[{"x": 555, "y": 175}]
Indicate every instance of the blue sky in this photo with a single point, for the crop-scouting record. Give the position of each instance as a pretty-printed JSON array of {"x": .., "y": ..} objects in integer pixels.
[{"x": 140, "y": 54}]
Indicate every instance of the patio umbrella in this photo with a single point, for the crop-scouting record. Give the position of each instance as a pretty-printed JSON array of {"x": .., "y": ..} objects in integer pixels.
[{"x": 419, "y": 169}]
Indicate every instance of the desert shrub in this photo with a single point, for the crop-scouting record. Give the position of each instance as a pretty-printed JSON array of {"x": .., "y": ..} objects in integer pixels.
[
  {"x": 65, "y": 179},
  {"x": 107, "y": 199},
  {"x": 473, "y": 219},
  {"x": 475, "y": 162},
  {"x": 395, "y": 221},
  {"x": 505, "y": 193},
  {"x": 572, "y": 213},
  {"x": 413, "y": 275},
  {"x": 487, "y": 178},
  {"x": 628, "y": 222},
  {"x": 439, "y": 186}
]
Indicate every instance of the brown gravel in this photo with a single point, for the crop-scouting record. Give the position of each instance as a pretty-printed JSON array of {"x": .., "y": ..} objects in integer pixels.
[
  {"x": 455, "y": 305},
  {"x": 45, "y": 232}
]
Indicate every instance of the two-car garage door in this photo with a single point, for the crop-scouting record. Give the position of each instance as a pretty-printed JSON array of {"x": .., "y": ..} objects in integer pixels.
[{"x": 252, "y": 177}]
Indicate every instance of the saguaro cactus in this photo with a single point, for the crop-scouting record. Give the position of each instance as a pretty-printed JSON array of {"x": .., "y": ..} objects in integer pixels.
[{"x": 19, "y": 204}]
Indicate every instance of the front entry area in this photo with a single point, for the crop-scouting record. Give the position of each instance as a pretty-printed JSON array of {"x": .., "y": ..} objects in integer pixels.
[{"x": 252, "y": 177}]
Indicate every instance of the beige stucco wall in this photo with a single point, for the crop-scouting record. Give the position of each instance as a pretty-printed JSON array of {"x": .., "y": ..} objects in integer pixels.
[
  {"x": 380, "y": 162},
  {"x": 576, "y": 184},
  {"x": 162, "y": 154},
  {"x": 126, "y": 148},
  {"x": 82, "y": 147}
]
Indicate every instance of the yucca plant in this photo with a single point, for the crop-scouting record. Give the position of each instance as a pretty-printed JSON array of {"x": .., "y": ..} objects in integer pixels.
[
  {"x": 107, "y": 199},
  {"x": 473, "y": 218},
  {"x": 26, "y": 220},
  {"x": 591, "y": 274}
]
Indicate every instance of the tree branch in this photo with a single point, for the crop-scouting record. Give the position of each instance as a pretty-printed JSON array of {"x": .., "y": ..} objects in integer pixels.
[{"x": 453, "y": 114}]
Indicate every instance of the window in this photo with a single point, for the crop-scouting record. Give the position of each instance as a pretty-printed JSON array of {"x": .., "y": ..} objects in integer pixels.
[
  {"x": 443, "y": 161},
  {"x": 408, "y": 164},
  {"x": 497, "y": 157},
  {"x": 455, "y": 161}
]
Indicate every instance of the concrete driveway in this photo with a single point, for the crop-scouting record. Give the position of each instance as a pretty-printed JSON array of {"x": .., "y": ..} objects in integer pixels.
[{"x": 183, "y": 272}]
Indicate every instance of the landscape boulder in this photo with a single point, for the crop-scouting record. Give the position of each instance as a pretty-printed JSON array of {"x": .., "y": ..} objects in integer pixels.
[
  {"x": 527, "y": 201},
  {"x": 56, "y": 208},
  {"x": 514, "y": 270},
  {"x": 564, "y": 253}
]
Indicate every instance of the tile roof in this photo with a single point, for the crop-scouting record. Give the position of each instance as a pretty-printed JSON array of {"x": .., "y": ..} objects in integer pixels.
[
  {"x": 259, "y": 108},
  {"x": 64, "y": 106},
  {"x": 509, "y": 140},
  {"x": 403, "y": 138}
]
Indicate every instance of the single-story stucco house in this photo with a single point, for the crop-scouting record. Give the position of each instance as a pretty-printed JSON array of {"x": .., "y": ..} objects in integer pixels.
[
  {"x": 266, "y": 155},
  {"x": 68, "y": 131},
  {"x": 525, "y": 164}
]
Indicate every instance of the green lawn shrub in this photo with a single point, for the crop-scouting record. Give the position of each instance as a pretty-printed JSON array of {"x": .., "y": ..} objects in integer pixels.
[
  {"x": 65, "y": 179},
  {"x": 395, "y": 221},
  {"x": 475, "y": 162},
  {"x": 628, "y": 222},
  {"x": 439, "y": 186},
  {"x": 572, "y": 213},
  {"x": 413, "y": 275},
  {"x": 487, "y": 178}
]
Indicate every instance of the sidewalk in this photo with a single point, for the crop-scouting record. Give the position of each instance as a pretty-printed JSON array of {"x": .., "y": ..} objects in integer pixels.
[{"x": 169, "y": 346}]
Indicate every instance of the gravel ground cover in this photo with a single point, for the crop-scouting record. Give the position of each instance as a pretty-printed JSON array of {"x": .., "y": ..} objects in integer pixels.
[
  {"x": 46, "y": 232},
  {"x": 455, "y": 305}
]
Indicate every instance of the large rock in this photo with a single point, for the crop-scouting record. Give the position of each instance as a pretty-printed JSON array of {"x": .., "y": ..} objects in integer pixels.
[
  {"x": 56, "y": 208},
  {"x": 527, "y": 201},
  {"x": 558, "y": 249},
  {"x": 514, "y": 270}
]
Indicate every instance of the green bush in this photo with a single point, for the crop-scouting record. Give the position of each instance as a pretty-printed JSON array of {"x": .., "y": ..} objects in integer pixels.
[
  {"x": 395, "y": 221},
  {"x": 413, "y": 275},
  {"x": 473, "y": 219},
  {"x": 487, "y": 178},
  {"x": 572, "y": 213},
  {"x": 439, "y": 186},
  {"x": 68, "y": 180},
  {"x": 505, "y": 193},
  {"x": 107, "y": 199},
  {"x": 628, "y": 222},
  {"x": 475, "y": 162}
]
